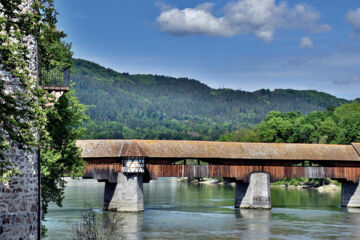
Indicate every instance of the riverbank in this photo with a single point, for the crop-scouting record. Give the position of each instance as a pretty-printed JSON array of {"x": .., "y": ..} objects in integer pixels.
[
  {"x": 323, "y": 188},
  {"x": 326, "y": 185},
  {"x": 322, "y": 185},
  {"x": 206, "y": 181}
]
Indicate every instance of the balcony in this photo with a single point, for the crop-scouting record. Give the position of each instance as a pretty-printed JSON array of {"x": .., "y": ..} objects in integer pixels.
[{"x": 55, "y": 80}]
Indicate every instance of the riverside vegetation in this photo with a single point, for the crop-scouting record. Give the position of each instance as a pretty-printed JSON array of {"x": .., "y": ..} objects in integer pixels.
[
  {"x": 98, "y": 226},
  {"x": 339, "y": 125}
]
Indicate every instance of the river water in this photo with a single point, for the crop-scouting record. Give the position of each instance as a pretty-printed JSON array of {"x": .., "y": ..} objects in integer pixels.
[{"x": 178, "y": 210}]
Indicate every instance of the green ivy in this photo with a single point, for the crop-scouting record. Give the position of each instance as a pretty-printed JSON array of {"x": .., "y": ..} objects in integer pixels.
[{"x": 20, "y": 111}]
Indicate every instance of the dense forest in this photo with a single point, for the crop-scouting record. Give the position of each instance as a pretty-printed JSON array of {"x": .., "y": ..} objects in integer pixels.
[{"x": 122, "y": 105}]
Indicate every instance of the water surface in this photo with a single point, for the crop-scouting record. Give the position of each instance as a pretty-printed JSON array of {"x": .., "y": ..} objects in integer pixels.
[{"x": 177, "y": 210}]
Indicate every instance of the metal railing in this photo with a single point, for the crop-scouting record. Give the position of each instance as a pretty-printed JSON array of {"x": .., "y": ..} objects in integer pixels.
[{"x": 55, "y": 78}]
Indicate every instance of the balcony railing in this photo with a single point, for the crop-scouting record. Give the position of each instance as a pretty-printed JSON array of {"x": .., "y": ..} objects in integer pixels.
[{"x": 55, "y": 79}]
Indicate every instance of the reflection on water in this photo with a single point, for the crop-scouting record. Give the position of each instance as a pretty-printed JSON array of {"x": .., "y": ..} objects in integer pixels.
[
  {"x": 176, "y": 210},
  {"x": 133, "y": 225},
  {"x": 255, "y": 223},
  {"x": 353, "y": 219}
]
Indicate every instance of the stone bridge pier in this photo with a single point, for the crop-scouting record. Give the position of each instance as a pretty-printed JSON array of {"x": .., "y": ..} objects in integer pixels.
[
  {"x": 126, "y": 195},
  {"x": 350, "y": 194},
  {"x": 255, "y": 193}
]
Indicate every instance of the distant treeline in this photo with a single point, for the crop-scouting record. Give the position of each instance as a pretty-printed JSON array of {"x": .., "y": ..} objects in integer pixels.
[
  {"x": 336, "y": 126},
  {"x": 122, "y": 105}
]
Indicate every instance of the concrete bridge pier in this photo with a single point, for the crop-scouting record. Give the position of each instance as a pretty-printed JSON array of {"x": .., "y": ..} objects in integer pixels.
[
  {"x": 255, "y": 194},
  {"x": 350, "y": 194},
  {"x": 126, "y": 195}
]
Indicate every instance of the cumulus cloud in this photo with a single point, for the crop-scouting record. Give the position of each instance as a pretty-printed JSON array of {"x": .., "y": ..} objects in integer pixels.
[
  {"x": 259, "y": 17},
  {"x": 189, "y": 21},
  {"x": 353, "y": 17},
  {"x": 306, "y": 42}
]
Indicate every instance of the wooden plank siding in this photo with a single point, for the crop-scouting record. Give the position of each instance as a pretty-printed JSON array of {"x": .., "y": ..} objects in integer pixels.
[
  {"x": 107, "y": 169},
  {"x": 243, "y": 172},
  {"x": 102, "y": 169}
]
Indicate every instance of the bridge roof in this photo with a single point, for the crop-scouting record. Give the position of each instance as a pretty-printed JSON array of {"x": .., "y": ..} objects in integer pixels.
[{"x": 217, "y": 150}]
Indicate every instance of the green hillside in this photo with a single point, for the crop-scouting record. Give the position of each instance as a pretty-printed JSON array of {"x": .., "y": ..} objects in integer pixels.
[{"x": 122, "y": 105}]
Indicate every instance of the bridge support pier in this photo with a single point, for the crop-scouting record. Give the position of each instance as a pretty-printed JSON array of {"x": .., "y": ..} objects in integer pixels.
[
  {"x": 350, "y": 194},
  {"x": 255, "y": 194},
  {"x": 127, "y": 195},
  {"x": 108, "y": 193}
]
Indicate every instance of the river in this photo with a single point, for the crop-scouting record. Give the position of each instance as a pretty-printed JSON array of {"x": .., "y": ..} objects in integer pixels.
[{"x": 178, "y": 210}]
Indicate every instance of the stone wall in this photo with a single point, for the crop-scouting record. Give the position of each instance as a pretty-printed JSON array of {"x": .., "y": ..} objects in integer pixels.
[{"x": 19, "y": 198}]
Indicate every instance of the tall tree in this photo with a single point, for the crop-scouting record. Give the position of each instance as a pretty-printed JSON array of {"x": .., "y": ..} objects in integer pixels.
[{"x": 59, "y": 155}]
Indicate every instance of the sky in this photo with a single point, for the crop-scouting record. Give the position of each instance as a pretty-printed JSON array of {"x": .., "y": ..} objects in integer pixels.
[{"x": 239, "y": 44}]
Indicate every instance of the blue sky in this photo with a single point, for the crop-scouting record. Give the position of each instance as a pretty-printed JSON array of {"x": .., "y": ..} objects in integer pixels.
[{"x": 240, "y": 44}]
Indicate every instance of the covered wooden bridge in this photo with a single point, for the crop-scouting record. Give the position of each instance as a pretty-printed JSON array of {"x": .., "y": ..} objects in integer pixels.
[{"x": 251, "y": 165}]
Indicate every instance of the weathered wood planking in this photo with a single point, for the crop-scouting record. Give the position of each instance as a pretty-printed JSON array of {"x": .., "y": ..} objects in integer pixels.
[
  {"x": 218, "y": 150},
  {"x": 243, "y": 172},
  {"x": 107, "y": 169}
]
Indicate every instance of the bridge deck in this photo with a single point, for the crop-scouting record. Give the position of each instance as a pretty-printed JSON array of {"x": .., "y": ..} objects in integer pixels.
[{"x": 174, "y": 149}]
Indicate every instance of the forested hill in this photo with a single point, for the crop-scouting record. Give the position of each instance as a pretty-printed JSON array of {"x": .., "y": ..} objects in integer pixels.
[{"x": 122, "y": 105}]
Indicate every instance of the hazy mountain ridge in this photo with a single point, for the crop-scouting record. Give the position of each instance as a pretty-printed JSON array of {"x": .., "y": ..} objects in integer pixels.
[{"x": 123, "y": 105}]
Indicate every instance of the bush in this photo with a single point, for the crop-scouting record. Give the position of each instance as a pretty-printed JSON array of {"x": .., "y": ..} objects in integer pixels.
[{"x": 98, "y": 226}]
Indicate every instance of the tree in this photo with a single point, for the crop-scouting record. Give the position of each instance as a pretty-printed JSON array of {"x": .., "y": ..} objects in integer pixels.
[
  {"x": 347, "y": 118},
  {"x": 64, "y": 122},
  {"x": 59, "y": 155},
  {"x": 277, "y": 127},
  {"x": 54, "y": 52}
]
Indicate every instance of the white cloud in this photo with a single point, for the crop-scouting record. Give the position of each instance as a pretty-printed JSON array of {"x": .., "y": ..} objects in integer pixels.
[
  {"x": 353, "y": 17},
  {"x": 189, "y": 21},
  {"x": 306, "y": 42},
  {"x": 259, "y": 17}
]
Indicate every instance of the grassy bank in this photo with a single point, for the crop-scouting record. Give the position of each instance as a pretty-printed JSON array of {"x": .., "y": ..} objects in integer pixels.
[{"x": 310, "y": 182}]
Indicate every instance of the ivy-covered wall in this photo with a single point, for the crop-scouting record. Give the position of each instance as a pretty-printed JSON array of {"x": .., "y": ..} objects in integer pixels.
[{"x": 19, "y": 197}]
